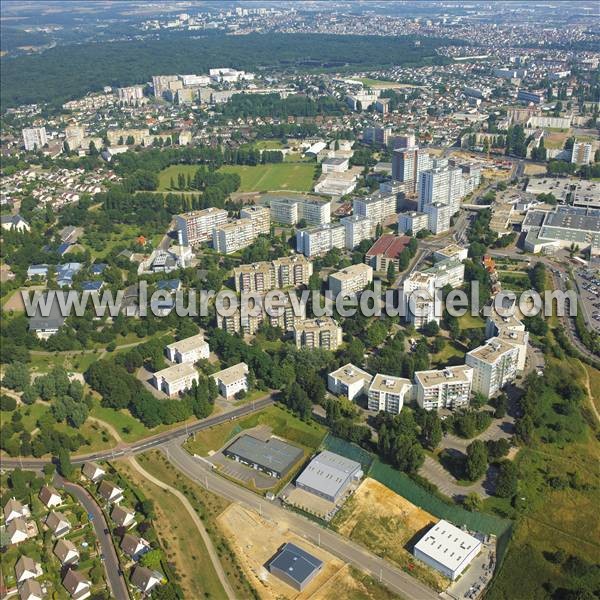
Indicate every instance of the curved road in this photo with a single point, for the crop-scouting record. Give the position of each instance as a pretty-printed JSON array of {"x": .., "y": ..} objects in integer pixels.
[{"x": 115, "y": 578}]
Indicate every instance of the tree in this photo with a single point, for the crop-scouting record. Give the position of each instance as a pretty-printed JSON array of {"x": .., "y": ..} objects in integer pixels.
[
  {"x": 16, "y": 376},
  {"x": 430, "y": 329},
  {"x": 7, "y": 403},
  {"x": 506, "y": 482},
  {"x": 391, "y": 272},
  {"x": 477, "y": 460},
  {"x": 432, "y": 430},
  {"x": 524, "y": 429},
  {"x": 65, "y": 468},
  {"x": 472, "y": 502}
]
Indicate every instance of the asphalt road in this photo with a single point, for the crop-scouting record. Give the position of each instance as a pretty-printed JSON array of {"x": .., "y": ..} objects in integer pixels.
[
  {"x": 147, "y": 443},
  {"x": 392, "y": 577},
  {"x": 115, "y": 579}
]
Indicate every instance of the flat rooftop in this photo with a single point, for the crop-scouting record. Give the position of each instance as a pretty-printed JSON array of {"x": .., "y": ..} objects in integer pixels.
[
  {"x": 350, "y": 374},
  {"x": 297, "y": 563},
  {"x": 352, "y": 271},
  {"x": 272, "y": 454},
  {"x": 328, "y": 473},
  {"x": 584, "y": 219},
  {"x": 389, "y": 384},
  {"x": 178, "y": 371},
  {"x": 451, "y": 375},
  {"x": 447, "y": 545},
  {"x": 187, "y": 344},
  {"x": 231, "y": 374},
  {"x": 491, "y": 351}
]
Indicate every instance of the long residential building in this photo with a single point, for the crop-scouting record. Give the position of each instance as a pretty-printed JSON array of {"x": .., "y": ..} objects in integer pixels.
[
  {"x": 494, "y": 365},
  {"x": 197, "y": 226},
  {"x": 231, "y": 237},
  {"x": 444, "y": 388},
  {"x": 322, "y": 333},
  {"x": 387, "y": 393},
  {"x": 288, "y": 271},
  {"x": 260, "y": 217},
  {"x": 357, "y": 228},
  {"x": 320, "y": 240},
  {"x": 176, "y": 379},
  {"x": 292, "y": 209},
  {"x": 378, "y": 207},
  {"x": 34, "y": 138},
  {"x": 351, "y": 280}
]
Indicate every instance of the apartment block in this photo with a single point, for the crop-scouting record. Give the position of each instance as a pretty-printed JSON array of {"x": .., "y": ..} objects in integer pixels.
[
  {"x": 260, "y": 217},
  {"x": 351, "y": 280},
  {"x": 117, "y": 137},
  {"x": 453, "y": 251},
  {"x": 408, "y": 164},
  {"x": 288, "y": 271},
  {"x": 445, "y": 388},
  {"x": 291, "y": 209},
  {"x": 378, "y": 207},
  {"x": 519, "y": 339},
  {"x": 349, "y": 381},
  {"x": 232, "y": 380},
  {"x": 438, "y": 215},
  {"x": 34, "y": 138},
  {"x": 320, "y": 240},
  {"x": 322, "y": 333},
  {"x": 197, "y": 226},
  {"x": 188, "y": 350},
  {"x": 160, "y": 84},
  {"x": 176, "y": 379},
  {"x": 357, "y": 228},
  {"x": 130, "y": 94},
  {"x": 387, "y": 393},
  {"x": 234, "y": 236},
  {"x": 412, "y": 221},
  {"x": 494, "y": 365}
]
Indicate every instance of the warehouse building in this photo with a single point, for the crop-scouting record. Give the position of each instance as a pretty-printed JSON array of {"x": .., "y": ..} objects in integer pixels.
[
  {"x": 447, "y": 549},
  {"x": 295, "y": 566},
  {"x": 328, "y": 475},
  {"x": 273, "y": 456}
]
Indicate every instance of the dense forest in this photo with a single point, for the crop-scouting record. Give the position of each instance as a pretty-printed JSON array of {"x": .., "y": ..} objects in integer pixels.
[
  {"x": 271, "y": 105},
  {"x": 66, "y": 72}
]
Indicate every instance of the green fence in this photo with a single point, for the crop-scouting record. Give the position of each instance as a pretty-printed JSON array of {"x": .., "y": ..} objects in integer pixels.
[{"x": 349, "y": 450}]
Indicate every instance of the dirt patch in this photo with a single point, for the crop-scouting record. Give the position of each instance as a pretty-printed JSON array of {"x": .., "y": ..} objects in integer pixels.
[
  {"x": 15, "y": 302},
  {"x": 388, "y": 525},
  {"x": 255, "y": 540}
]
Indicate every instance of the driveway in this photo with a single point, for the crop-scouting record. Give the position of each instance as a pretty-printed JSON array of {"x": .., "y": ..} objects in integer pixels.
[{"x": 115, "y": 579}]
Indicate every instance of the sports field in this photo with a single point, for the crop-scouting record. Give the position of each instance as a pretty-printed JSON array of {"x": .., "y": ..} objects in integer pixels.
[{"x": 293, "y": 176}]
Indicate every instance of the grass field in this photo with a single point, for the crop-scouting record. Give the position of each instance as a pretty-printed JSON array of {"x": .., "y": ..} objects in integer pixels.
[
  {"x": 164, "y": 177},
  {"x": 514, "y": 280},
  {"x": 208, "y": 506},
  {"x": 468, "y": 321},
  {"x": 594, "y": 379},
  {"x": 294, "y": 176},
  {"x": 180, "y": 538},
  {"x": 451, "y": 354},
  {"x": 385, "y": 523},
  {"x": 558, "y": 504},
  {"x": 282, "y": 423}
]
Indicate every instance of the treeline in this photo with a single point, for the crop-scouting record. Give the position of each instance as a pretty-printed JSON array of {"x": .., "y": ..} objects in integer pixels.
[
  {"x": 60, "y": 74},
  {"x": 272, "y": 105}
]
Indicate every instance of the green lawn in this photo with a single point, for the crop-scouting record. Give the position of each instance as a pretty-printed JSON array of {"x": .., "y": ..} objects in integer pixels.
[
  {"x": 164, "y": 177},
  {"x": 279, "y": 176},
  {"x": 468, "y": 321},
  {"x": 452, "y": 350},
  {"x": 283, "y": 423},
  {"x": 267, "y": 144}
]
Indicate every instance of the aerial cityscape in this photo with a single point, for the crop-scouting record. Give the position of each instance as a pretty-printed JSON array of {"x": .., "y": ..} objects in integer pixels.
[{"x": 300, "y": 300}]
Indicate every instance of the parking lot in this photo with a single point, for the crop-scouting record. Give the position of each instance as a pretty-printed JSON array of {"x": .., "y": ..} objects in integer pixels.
[
  {"x": 473, "y": 581},
  {"x": 588, "y": 282}
]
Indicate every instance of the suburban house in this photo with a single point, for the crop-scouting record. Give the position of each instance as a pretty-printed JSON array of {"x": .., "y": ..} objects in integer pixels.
[
  {"x": 145, "y": 579},
  {"x": 58, "y": 523},
  {"x": 50, "y": 497},
  {"x": 46, "y": 325},
  {"x": 14, "y": 223},
  {"x": 135, "y": 547},
  {"x": 37, "y": 271},
  {"x": 77, "y": 585},
  {"x": 66, "y": 552},
  {"x": 31, "y": 590},
  {"x": 123, "y": 516},
  {"x": 26, "y": 568},
  {"x": 14, "y": 509},
  {"x": 93, "y": 472},
  {"x": 16, "y": 530},
  {"x": 110, "y": 492}
]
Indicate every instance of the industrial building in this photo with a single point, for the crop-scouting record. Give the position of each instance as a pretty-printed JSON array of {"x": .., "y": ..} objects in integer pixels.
[
  {"x": 328, "y": 475},
  {"x": 295, "y": 566},
  {"x": 447, "y": 549},
  {"x": 274, "y": 457}
]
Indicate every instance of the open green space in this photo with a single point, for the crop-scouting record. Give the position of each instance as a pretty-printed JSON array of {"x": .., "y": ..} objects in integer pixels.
[
  {"x": 468, "y": 321},
  {"x": 515, "y": 281},
  {"x": 451, "y": 354},
  {"x": 282, "y": 423},
  {"x": 172, "y": 172},
  {"x": 293, "y": 176}
]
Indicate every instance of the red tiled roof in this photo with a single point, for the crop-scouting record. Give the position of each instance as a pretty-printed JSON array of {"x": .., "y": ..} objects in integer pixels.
[{"x": 389, "y": 245}]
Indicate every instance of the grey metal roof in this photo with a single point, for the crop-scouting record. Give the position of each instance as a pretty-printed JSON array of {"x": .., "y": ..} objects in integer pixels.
[
  {"x": 272, "y": 454},
  {"x": 53, "y": 320},
  {"x": 298, "y": 564},
  {"x": 328, "y": 473}
]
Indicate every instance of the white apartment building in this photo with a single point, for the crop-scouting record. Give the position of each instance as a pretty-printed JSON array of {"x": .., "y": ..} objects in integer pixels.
[
  {"x": 519, "y": 339},
  {"x": 444, "y": 388},
  {"x": 260, "y": 217},
  {"x": 453, "y": 251},
  {"x": 357, "y": 228},
  {"x": 287, "y": 271},
  {"x": 408, "y": 164},
  {"x": 581, "y": 153},
  {"x": 160, "y": 84},
  {"x": 494, "y": 365},
  {"x": 351, "y": 280},
  {"x": 412, "y": 221},
  {"x": 322, "y": 333},
  {"x": 441, "y": 184},
  {"x": 448, "y": 272},
  {"x": 312, "y": 242},
  {"x": 387, "y": 393},
  {"x": 197, "y": 226},
  {"x": 176, "y": 379},
  {"x": 349, "y": 381},
  {"x": 34, "y": 138},
  {"x": 232, "y": 380},
  {"x": 234, "y": 236},
  {"x": 378, "y": 207},
  {"x": 188, "y": 350},
  {"x": 334, "y": 165},
  {"x": 418, "y": 297},
  {"x": 130, "y": 94},
  {"x": 291, "y": 209},
  {"x": 439, "y": 217}
]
